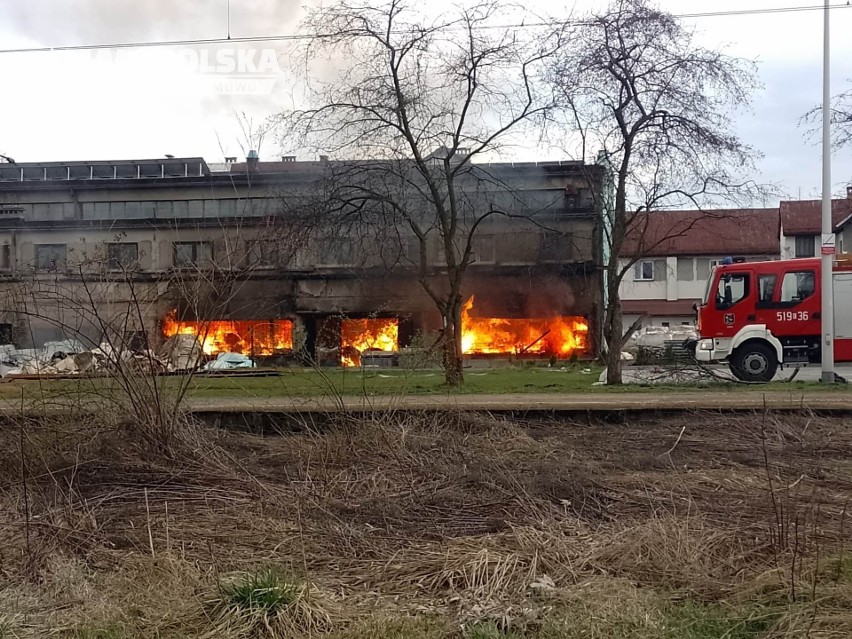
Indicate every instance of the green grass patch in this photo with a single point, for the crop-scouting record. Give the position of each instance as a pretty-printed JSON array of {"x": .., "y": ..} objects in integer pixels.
[
  {"x": 838, "y": 570},
  {"x": 420, "y": 627},
  {"x": 267, "y": 592},
  {"x": 106, "y": 632},
  {"x": 572, "y": 378},
  {"x": 489, "y": 631},
  {"x": 398, "y": 382},
  {"x": 695, "y": 620},
  {"x": 268, "y": 601}
]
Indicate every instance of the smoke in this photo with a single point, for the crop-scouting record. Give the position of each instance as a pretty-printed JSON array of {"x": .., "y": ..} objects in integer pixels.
[
  {"x": 181, "y": 99},
  {"x": 53, "y": 23},
  {"x": 540, "y": 295}
]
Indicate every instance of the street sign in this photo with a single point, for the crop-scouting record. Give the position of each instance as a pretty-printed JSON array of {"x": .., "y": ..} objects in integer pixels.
[{"x": 828, "y": 245}]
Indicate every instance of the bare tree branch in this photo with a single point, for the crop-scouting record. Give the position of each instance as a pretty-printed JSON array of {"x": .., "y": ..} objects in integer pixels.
[
  {"x": 412, "y": 106},
  {"x": 635, "y": 85}
]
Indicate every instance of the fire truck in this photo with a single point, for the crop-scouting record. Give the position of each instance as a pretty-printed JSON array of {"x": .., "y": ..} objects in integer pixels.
[{"x": 757, "y": 316}]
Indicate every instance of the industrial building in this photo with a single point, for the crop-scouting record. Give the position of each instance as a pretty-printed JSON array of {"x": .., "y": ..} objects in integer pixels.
[{"x": 137, "y": 250}]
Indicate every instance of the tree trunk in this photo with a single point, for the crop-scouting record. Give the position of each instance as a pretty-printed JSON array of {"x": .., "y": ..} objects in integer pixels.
[
  {"x": 453, "y": 370},
  {"x": 614, "y": 335}
]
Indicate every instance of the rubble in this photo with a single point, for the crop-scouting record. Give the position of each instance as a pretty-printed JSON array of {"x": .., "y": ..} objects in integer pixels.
[
  {"x": 655, "y": 337},
  {"x": 71, "y": 357},
  {"x": 226, "y": 361},
  {"x": 182, "y": 352}
]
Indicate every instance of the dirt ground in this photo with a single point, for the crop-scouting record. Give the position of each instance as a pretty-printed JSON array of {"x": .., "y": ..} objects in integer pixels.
[{"x": 451, "y": 524}]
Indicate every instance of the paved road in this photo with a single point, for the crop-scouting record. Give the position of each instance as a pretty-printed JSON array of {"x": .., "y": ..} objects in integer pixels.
[
  {"x": 675, "y": 375},
  {"x": 687, "y": 400},
  {"x": 709, "y": 399}
]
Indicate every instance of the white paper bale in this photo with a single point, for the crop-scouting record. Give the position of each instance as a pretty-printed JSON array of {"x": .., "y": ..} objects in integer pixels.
[{"x": 183, "y": 352}]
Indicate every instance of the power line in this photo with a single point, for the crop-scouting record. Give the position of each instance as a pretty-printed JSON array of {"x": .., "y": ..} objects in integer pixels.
[{"x": 291, "y": 37}]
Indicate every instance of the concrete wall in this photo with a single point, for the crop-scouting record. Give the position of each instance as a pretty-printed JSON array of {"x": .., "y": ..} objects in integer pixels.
[{"x": 671, "y": 321}]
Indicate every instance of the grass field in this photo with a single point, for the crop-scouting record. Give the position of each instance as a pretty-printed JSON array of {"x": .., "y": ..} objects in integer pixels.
[
  {"x": 312, "y": 383},
  {"x": 429, "y": 526}
]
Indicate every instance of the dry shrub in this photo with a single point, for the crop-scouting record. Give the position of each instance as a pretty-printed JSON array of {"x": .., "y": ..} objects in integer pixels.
[
  {"x": 141, "y": 595},
  {"x": 469, "y": 517},
  {"x": 678, "y": 552},
  {"x": 601, "y": 608}
]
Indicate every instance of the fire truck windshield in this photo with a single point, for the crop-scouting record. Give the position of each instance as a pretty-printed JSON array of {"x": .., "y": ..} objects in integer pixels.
[{"x": 732, "y": 288}]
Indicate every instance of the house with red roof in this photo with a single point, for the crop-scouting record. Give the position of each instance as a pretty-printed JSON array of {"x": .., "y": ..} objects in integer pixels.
[
  {"x": 669, "y": 256},
  {"x": 801, "y": 226}
]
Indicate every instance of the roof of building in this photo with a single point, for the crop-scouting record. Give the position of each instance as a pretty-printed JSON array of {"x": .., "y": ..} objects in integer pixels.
[
  {"x": 293, "y": 164},
  {"x": 804, "y": 217},
  {"x": 714, "y": 232},
  {"x": 659, "y": 308},
  {"x": 103, "y": 170}
]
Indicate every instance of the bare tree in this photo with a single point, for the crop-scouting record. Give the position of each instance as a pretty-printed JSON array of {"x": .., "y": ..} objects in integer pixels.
[
  {"x": 840, "y": 119},
  {"x": 414, "y": 102},
  {"x": 110, "y": 303},
  {"x": 656, "y": 106}
]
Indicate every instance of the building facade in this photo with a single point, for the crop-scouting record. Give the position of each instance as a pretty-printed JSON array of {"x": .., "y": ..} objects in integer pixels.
[{"x": 143, "y": 248}]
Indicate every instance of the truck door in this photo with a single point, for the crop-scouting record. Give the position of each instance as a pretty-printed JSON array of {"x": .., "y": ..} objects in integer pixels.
[
  {"x": 734, "y": 301},
  {"x": 764, "y": 312},
  {"x": 794, "y": 311}
]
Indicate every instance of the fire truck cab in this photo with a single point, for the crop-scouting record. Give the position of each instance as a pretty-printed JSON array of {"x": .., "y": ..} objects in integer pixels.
[{"x": 758, "y": 315}]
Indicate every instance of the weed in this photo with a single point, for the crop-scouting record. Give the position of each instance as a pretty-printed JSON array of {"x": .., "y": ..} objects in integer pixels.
[
  {"x": 108, "y": 632},
  {"x": 489, "y": 630},
  {"x": 267, "y": 591},
  {"x": 267, "y": 599}
]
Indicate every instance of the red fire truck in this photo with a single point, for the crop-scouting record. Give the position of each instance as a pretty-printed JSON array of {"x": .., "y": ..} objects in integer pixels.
[{"x": 759, "y": 315}]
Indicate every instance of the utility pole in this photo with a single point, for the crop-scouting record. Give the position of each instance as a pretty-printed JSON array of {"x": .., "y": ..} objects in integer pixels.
[{"x": 827, "y": 245}]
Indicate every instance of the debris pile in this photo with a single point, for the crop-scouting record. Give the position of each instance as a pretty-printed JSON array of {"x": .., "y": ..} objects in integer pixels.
[
  {"x": 230, "y": 361},
  {"x": 71, "y": 357},
  {"x": 660, "y": 344}
]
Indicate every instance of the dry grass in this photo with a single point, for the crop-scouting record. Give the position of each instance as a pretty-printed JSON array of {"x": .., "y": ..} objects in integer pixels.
[{"x": 426, "y": 525}]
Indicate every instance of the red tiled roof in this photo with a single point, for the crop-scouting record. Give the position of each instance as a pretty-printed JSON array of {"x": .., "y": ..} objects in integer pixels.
[
  {"x": 804, "y": 217},
  {"x": 658, "y": 307},
  {"x": 715, "y": 232}
]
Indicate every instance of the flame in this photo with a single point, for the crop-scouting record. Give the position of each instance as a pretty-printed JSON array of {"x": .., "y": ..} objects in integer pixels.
[
  {"x": 359, "y": 335},
  {"x": 252, "y": 337},
  {"x": 559, "y": 335}
]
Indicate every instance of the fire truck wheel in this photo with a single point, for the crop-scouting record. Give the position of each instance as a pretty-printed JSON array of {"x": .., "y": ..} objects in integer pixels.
[{"x": 754, "y": 362}]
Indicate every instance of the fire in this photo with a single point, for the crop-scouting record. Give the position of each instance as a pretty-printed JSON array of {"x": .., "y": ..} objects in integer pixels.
[
  {"x": 359, "y": 335},
  {"x": 559, "y": 335},
  {"x": 252, "y": 337}
]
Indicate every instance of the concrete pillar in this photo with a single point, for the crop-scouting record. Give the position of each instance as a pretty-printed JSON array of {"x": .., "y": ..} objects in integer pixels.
[{"x": 671, "y": 279}]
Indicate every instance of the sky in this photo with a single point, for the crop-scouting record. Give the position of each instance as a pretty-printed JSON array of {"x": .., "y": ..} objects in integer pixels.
[{"x": 196, "y": 101}]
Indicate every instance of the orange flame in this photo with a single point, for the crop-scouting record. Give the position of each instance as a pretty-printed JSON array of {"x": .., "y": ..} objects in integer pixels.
[
  {"x": 559, "y": 335},
  {"x": 252, "y": 337},
  {"x": 359, "y": 335}
]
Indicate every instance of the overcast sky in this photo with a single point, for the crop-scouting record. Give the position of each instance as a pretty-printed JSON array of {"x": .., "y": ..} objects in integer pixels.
[{"x": 147, "y": 103}]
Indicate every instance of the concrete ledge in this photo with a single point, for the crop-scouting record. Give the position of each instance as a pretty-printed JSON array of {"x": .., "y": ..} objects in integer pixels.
[{"x": 712, "y": 399}]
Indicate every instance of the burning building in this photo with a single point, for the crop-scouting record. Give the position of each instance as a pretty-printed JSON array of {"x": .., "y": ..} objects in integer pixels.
[
  {"x": 148, "y": 249},
  {"x": 359, "y": 336},
  {"x": 248, "y": 337},
  {"x": 556, "y": 336}
]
